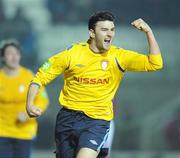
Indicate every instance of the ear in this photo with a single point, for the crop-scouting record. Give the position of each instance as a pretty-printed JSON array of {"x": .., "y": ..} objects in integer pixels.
[{"x": 91, "y": 33}]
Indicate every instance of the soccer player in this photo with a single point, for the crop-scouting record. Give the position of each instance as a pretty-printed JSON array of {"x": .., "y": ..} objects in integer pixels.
[
  {"x": 92, "y": 72},
  {"x": 17, "y": 130}
]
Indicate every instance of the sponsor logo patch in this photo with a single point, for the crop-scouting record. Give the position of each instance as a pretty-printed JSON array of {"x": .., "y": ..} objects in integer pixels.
[{"x": 46, "y": 66}]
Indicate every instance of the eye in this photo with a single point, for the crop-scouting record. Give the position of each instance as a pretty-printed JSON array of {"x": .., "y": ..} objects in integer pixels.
[
  {"x": 113, "y": 29},
  {"x": 104, "y": 29}
]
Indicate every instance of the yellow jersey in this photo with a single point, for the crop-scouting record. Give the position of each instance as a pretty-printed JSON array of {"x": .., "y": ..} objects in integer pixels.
[
  {"x": 13, "y": 93},
  {"x": 90, "y": 79}
]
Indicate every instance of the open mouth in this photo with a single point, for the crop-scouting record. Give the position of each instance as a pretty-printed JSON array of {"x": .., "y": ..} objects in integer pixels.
[{"x": 107, "y": 41}]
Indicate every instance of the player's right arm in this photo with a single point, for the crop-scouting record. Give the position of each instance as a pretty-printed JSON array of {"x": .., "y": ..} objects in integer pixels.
[
  {"x": 32, "y": 110},
  {"x": 49, "y": 71}
]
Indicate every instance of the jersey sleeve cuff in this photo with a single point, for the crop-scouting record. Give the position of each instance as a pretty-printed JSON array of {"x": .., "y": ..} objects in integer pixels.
[
  {"x": 156, "y": 59},
  {"x": 36, "y": 82}
]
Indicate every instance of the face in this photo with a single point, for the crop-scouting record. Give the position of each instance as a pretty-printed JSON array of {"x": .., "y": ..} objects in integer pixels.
[
  {"x": 103, "y": 35},
  {"x": 12, "y": 57}
]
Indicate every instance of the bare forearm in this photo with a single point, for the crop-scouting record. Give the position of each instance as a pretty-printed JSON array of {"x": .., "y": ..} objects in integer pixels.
[
  {"x": 33, "y": 90},
  {"x": 153, "y": 45},
  {"x": 140, "y": 24},
  {"x": 32, "y": 110},
  {"x": 153, "y": 62}
]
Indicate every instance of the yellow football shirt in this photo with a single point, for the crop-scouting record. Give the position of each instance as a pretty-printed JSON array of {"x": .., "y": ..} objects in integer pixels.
[
  {"x": 13, "y": 93},
  {"x": 91, "y": 80}
]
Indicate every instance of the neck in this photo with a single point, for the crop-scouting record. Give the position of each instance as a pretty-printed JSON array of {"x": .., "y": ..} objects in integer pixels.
[
  {"x": 11, "y": 71},
  {"x": 94, "y": 48}
]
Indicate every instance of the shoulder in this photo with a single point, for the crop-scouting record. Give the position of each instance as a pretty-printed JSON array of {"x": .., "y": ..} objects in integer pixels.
[
  {"x": 68, "y": 52},
  {"x": 117, "y": 50},
  {"x": 73, "y": 49},
  {"x": 113, "y": 47},
  {"x": 77, "y": 46}
]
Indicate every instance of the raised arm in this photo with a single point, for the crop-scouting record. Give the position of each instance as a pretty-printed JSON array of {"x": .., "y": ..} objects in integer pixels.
[
  {"x": 140, "y": 24},
  {"x": 135, "y": 61}
]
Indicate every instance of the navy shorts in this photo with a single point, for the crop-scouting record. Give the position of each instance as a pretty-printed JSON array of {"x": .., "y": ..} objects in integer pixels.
[
  {"x": 15, "y": 148},
  {"x": 75, "y": 130}
]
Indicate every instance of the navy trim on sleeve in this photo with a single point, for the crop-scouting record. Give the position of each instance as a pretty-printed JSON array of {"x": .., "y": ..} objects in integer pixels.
[
  {"x": 35, "y": 84},
  {"x": 70, "y": 47},
  {"x": 120, "y": 68}
]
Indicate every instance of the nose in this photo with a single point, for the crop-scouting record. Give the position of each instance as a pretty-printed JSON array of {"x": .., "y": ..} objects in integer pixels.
[{"x": 109, "y": 33}]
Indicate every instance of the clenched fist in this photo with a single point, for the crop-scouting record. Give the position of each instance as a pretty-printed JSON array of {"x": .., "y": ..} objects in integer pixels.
[
  {"x": 140, "y": 24},
  {"x": 33, "y": 111}
]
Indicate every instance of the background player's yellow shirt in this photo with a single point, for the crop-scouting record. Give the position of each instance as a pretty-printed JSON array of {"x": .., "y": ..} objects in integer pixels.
[
  {"x": 91, "y": 79},
  {"x": 13, "y": 93}
]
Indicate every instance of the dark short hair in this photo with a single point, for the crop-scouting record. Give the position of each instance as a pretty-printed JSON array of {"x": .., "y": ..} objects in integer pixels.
[
  {"x": 100, "y": 16},
  {"x": 6, "y": 43}
]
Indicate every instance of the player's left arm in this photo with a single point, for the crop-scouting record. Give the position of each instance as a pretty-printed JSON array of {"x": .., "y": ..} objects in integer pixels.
[
  {"x": 134, "y": 61},
  {"x": 140, "y": 24}
]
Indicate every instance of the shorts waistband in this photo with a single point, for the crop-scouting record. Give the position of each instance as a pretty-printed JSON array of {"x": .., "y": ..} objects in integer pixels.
[
  {"x": 70, "y": 110},
  {"x": 78, "y": 114}
]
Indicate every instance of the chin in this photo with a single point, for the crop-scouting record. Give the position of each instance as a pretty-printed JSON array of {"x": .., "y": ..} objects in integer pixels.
[
  {"x": 13, "y": 66},
  {"x": 106, "y": 48},
  {"x": 103, "y": 50}
]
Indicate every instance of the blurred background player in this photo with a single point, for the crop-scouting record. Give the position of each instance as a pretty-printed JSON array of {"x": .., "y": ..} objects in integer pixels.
[
  {"x": 172, "y": 131},
  {"x": 107, "y": 147},
  {"x": 17, "y": 130}
]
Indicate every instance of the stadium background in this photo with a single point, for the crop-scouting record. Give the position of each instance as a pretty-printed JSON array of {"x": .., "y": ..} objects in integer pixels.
[{"x": 148, "y": 103}]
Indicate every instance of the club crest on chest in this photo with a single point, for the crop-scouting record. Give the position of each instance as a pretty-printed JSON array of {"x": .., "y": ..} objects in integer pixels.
[{"x": 104, "y": 64}]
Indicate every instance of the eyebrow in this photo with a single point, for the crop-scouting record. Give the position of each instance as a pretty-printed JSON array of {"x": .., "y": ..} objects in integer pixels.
[{"x": 105, "y": 28}]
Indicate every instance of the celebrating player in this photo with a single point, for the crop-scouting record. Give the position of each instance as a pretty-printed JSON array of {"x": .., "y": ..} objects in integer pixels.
[
  {"x": 17, "y": 131},
  {"x": 92, "y": 72}
]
